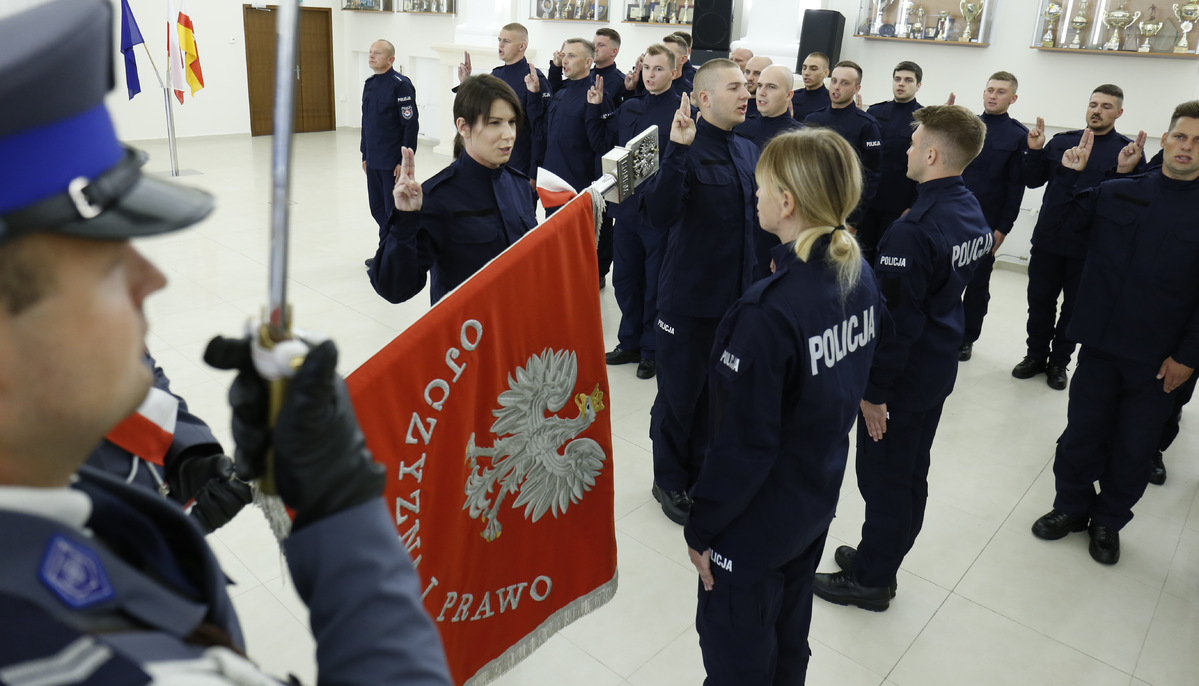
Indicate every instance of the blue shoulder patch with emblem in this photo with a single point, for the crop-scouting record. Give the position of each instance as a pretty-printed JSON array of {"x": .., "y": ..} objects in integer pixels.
[{"x": 75, "y": 573}]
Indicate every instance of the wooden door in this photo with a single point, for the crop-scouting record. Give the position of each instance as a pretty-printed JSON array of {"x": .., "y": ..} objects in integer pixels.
[{"x": 314, "y": 71}]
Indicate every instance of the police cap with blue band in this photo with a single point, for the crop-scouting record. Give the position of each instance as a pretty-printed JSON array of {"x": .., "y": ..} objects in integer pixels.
[{"x": 62, "y": 169}]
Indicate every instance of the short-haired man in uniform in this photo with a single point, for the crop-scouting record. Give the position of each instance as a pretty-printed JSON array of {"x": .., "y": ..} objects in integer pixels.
[
  {"x": 741, "y": 56},
  {"x": 390, "y": 122},
  {"x": 703, "y": 196},
  {"x": 687, "y": 68},
  {"x": 895, "y": 191},
  {"x": 996, "y": 180},
  {"x": 1055, "y": 264},
  {"x": 513, "y": 42},
  {"x": 814, "y": 94},
  {"x": 753, "y": 70},
  {"x": 1137, "y": 320},
  {"x": 637, "y": 244},
  {"x": 856, "y": 126},
  {"x": 683, "y": 83},
  {"x": 102, "y": 582},
  {"x": 925, "y": 260}
]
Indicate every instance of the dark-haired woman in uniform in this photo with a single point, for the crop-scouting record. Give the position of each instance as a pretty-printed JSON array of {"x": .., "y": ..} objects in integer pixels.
[{"x": 787, "y": 372}]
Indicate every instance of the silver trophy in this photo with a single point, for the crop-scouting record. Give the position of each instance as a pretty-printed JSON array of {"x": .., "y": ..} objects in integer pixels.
[{"x": 876, "y": 23}]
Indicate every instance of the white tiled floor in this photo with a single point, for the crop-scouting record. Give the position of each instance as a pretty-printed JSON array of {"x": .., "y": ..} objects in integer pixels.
[{"x": 981, "y": 601}]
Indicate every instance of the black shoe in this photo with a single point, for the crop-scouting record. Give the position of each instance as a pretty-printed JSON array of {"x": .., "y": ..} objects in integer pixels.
[
  {"x": 965, "y": 352},
  {"x": 603, "y": 281},
  {"x": 840, "y": 588},
  {"x": 646, "y": 369},
  {"x": 1157, "y": 473},
  {"x": 1105, "y": 544},
  {"x": 621, "y": 356},
  {"x": 676, "y": 505},
  {"x": 369, "y": 262},
  {"x": 1055, "y": 376},
  {"x": 1057, "y": 524},
  {"x": 844, "y": 556},
  {"x": 1028, "y": 367}
]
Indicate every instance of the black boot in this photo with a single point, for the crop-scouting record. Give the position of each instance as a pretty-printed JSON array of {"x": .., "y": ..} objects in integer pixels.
[
  {"x": 840, "y": 588},
  {"x": 1157, "y": 473}
]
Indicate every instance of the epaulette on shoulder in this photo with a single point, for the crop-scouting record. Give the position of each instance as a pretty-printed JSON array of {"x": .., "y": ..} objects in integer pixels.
[
  {"x": 516, "y": 172},
  {"x": 440, "y": 177}
]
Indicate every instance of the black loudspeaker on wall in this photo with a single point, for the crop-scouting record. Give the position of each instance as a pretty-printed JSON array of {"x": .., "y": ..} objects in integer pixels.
[
  {"x": 713, "y": 25},
  {"x": 821, "y": 31}
]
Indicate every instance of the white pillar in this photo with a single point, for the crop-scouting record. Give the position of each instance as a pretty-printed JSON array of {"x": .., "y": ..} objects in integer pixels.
[
  {"x": 483, "y": 21},
  {"x": 772, "y": 28},
  {"x": 483, "y": 58}
]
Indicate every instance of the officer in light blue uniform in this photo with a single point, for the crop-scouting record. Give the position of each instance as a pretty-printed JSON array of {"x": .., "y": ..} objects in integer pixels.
[
  {"x": 789, "y": 366},
  {"x": 467, "y": 213},
  {"x": 1055, "y": 264},
  {"x": 637, "y": 244},
  {"x": 925, "y": 260},
  {"x": 996, "y": 180},
  {"x": 895, "y": 190},
  {"x": 703, "y": 197},
  {"x": 1137, "y": 320},
  {"x": 194, "y": 468},
  {"x": 390, "y": 121},
  {"x": 107, "y": 583}
]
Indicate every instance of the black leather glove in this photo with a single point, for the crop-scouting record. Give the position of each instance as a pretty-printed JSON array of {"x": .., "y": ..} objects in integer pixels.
[
  {"x": 322, "y": 465},
  {"x": 209, "y": 479}
]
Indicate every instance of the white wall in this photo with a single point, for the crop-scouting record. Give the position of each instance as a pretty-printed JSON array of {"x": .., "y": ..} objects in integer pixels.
[{"x": 1053, "y": 85}]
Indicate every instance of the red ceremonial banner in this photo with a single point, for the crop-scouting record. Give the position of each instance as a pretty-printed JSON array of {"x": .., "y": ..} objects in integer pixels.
[{"x": 491, "y": 415}]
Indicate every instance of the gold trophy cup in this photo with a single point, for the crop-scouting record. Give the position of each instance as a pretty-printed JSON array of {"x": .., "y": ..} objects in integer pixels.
[
  {"x": 1053, "y": 12},
  {"x": 1149, "y": 29},
  {"x": 1116, "y": 20},
  {"x": 1078, "y": 23},
  {"x": 1187, "y": 15},
  {"x": 970, "y": 12}
]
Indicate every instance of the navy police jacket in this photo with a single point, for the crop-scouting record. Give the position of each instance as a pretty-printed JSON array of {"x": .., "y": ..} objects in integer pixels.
[
  {"x": 613, "y": 81},
  {"x": 861, "y": 130},
  {"x": 805, "y": 102},
  {"x": 523, "y": 158},
  {"x": 74, "y": 611},
  {"x": 788, "y": 369},
  {"x": 1139, "y": 296},
  {"x": 469, "y": 215},
  {"x": 895, "y": 191},
  {"x": 389, "y": 119},
  {"x": 688, "y": 76},
  {"x": 1038, "y": 169},
  {"x": 633, "y": 116},
  {"x": 571, "y": 150},
  {"x": 703, "y": 195},
  {"x": 995, "y": 176},
  {"x": 924, "y": 262},
  {"x": 760, "y": 129}
]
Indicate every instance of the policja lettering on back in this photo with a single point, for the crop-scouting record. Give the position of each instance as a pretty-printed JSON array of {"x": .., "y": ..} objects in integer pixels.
[
  {"x": 841, "y": 339},
  {"x": 972, "y": 250}
]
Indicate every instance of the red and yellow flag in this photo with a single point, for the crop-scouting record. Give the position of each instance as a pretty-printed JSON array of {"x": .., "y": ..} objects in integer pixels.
[
  {"x": 191, "y": 53},
  {"x": 491, "y": 414}
]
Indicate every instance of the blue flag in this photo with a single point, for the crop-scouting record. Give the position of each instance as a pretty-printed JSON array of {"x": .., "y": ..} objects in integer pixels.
[{"x": 130, "y": 36}]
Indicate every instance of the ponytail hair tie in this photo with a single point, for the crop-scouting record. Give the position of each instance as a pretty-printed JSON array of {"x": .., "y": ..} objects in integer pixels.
[{"x": 839, "y": 227}]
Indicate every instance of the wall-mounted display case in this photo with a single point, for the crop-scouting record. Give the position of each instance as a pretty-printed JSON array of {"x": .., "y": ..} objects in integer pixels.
[
  {"x": 652, "y": 12},
  {"x": 938, "y": 22},
  {"x": 427, "y": 6},
  {"x": 1128, "y": 27},
  {"x": 570, "y": 10},
  {"x": 367, "y": 5}
]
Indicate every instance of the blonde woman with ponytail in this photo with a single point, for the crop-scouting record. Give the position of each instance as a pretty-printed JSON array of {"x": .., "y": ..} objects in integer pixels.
[{"x": 788, "y": 369}]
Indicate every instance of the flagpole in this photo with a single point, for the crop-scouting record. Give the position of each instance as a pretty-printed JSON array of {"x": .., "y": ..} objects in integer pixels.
[{"x": 166, "y": 95}]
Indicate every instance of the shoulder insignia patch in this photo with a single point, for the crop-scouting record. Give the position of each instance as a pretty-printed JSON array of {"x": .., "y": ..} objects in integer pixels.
[{"x": 75, "y": 574}]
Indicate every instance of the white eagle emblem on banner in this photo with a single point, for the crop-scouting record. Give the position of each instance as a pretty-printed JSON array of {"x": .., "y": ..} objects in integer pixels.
[{"x": 536, "y": 453}]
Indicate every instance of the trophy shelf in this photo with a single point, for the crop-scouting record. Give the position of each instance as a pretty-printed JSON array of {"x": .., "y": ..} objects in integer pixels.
[
  {"x": 653, "y": 23},
  {"x": 935, "y": 22},
  {"x": 1143, "y": 28},
  {"x": 1118, "y": 53},
  {"x": 366, "y": 5},
  {"x": 441, "y": 8},
  {"x": 593, "y": 12},
  {"x": 927, "y": 41}
]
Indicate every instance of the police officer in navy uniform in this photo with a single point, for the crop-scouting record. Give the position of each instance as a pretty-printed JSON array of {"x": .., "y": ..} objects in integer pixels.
[
  {"x": 753, "y": 71},
  {"x": 702, "y": 195},
  {"x": 925, "y": 260},
  {"x": 681, "y": 45},
  {"x": 513, "y": 42},
  {"x": 103, "y": 582},
  {"x": 390, "y": 121},
  {"x": 856, "y": 126},
  {"x": 1137, "y": 320},
  {"x": 895, "y": 190},
  {"x": 788, "y": 369},
  {"x": 1055, "y": 264},
  {"x": 192, "y": 469},
  {"x": 467, "y": 213},
  {"x": 775, "y": 86},
  {"x": 814, "y": 96},
  {"x": 637, "y": 243},
  {"x": 996, "y": 179}
]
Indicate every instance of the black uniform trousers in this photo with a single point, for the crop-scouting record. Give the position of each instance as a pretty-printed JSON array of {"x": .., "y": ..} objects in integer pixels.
[
  {"x": 638, "y": 249},
  {"x": 1050, "y": 274},
  {"x": 1182, "y": 396},
  {"x": 976, "y": 298},
  {"x": 893, "y": 481},
  {"x": 379, "y": 185},
  {"x": 757, "y": 635},
  {"x": 875, "y": 222},
  {"x": 603, "y": 248},
  {"x": 678, "y": 424},
  {"x": 1114, "y": 424}
]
